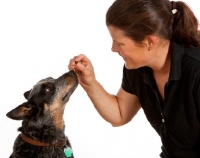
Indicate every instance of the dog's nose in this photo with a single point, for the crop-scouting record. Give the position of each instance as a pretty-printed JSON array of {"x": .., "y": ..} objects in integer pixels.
[{"x": 72, "y": 73}]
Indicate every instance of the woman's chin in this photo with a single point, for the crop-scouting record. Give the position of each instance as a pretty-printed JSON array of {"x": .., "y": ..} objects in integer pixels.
[{"x": 130, "y": 66}]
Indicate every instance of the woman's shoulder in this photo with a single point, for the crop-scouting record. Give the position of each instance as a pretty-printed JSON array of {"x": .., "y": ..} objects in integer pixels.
[
  {"x": 193, "y": 52},
  {"x": 191, "y": 59},
  {"x": 188, "y": 52}
]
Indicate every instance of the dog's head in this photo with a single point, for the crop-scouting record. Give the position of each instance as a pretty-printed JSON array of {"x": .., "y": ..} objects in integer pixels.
[{"x": 47, "y": 97}]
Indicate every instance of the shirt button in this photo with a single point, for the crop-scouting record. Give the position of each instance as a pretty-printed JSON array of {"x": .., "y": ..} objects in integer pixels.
[{"x": 163, "y": 120}]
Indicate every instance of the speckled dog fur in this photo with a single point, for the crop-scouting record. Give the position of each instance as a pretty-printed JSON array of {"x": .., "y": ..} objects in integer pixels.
[{"x": 42, "y": 117}]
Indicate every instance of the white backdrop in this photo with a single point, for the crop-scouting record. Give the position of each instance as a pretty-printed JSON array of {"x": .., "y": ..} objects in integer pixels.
[{"x": 37, "y": 39}]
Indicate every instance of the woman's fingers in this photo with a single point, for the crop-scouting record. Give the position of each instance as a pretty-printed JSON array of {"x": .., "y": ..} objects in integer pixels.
[
  {"x": 83, "y": 68},
  {"x": 81, "y": 59},
  {"x": 72, "y": 64},
  {"x": 79, "y": 62}
]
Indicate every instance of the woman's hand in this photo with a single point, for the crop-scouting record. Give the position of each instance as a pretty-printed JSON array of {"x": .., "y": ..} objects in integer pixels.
[
  {"x": 84, "y": 70},
  {"x": 116, "y": 109}
]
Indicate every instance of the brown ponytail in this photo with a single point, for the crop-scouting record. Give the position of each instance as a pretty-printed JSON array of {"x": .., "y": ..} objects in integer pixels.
[
  {"x": 185, "y": 26},
  {"x": 140, "y": 18}
]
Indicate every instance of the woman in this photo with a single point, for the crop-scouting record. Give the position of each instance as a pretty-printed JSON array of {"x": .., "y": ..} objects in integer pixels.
[{"x": 160, "y": 44}]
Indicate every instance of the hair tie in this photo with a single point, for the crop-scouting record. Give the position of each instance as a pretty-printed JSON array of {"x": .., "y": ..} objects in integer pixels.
[{"x": 173, "y": 7}]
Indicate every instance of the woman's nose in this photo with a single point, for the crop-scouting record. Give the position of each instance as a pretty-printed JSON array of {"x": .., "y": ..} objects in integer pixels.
[{"x": 113, "y": 48}]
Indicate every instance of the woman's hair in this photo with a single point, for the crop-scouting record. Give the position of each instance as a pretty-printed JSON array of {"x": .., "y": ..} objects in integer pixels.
[{"x": 140, "y": 18}]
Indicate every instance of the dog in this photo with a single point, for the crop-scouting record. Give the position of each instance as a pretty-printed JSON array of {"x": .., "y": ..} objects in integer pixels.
[{"x": 42, "y": 132}]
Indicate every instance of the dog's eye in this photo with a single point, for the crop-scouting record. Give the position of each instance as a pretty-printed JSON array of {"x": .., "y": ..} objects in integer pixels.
[{"x": 48, "y": 89}]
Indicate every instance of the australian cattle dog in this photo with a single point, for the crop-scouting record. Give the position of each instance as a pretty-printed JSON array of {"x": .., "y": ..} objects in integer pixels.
[{"x": 42, "y": 134}]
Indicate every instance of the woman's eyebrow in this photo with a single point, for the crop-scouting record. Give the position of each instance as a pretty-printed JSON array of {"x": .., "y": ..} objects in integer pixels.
[{"x": 117, "y": 42}]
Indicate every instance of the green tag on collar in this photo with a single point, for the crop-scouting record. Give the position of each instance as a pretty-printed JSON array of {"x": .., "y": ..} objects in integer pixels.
[{"x": 68, "y": 152}]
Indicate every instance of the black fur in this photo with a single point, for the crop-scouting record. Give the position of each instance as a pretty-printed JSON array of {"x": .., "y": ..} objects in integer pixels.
[{"x": 42, "y": 117}]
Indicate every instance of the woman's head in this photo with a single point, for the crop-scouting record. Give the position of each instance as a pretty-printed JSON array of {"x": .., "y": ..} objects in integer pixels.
[
  {"x": 133, "y": 53},
  {"x": 141, "y": 18}
]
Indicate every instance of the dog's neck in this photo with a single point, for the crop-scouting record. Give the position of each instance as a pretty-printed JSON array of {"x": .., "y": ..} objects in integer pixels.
[
  {"x": 44, "y": 129},
  {"x": 58, "y": 143}
]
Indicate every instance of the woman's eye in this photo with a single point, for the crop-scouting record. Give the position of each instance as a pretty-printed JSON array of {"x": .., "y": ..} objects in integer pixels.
[{"x": 117, "y": 44}]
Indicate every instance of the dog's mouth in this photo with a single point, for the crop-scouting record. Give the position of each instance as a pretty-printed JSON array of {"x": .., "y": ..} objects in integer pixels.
[
  {"x": 68, "y": 83},
  {"x": 66, "y": 96}
]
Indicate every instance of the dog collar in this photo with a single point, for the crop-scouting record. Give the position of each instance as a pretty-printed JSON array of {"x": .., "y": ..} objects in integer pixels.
[{"x": 60, "y": 143}]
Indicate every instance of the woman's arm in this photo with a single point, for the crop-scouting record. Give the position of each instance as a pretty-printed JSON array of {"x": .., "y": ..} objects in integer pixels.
[{"x": 116, "y": 109}]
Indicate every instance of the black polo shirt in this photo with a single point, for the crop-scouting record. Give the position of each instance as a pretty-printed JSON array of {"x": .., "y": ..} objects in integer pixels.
[{"x": 177, "y": 118}]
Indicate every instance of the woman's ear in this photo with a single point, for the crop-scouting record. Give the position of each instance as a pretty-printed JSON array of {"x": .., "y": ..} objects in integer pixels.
[{"x": 150, "y": 42}]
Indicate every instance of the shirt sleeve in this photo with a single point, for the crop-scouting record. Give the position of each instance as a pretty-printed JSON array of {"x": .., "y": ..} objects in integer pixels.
[{"x": 126, "y": 81}]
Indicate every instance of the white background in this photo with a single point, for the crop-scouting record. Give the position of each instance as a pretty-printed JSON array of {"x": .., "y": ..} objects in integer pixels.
[{"x": 37, "y": 40}]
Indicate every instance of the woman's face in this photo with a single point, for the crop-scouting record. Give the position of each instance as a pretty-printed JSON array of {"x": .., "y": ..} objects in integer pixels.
[{"x": 135, "y": 55}]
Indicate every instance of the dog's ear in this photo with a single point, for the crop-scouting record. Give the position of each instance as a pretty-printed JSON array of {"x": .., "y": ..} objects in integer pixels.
[
  {"x": 20, "y": 112},
  {"x": 26, "y": 94}
]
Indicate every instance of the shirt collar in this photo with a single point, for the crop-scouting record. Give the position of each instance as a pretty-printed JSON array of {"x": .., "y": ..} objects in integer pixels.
[{"x": 177, "y": 52}]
